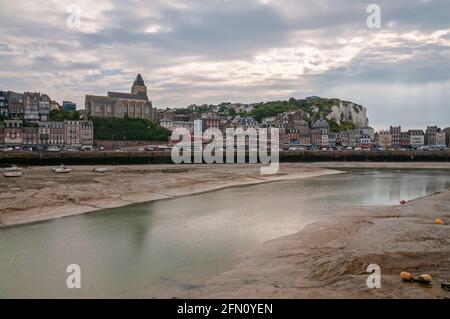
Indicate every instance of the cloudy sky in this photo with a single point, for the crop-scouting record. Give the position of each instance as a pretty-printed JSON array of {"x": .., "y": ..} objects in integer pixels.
[{"x": 209, "y": 51}]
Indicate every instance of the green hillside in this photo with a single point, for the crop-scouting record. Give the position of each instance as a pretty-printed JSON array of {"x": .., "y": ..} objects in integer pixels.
[
  {"x": 128, "y": 129},
  {"x": 316, "y": 107}
]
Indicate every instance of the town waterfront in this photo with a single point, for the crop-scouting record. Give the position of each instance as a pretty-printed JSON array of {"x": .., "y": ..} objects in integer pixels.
[{"x": 169, "y": 248}]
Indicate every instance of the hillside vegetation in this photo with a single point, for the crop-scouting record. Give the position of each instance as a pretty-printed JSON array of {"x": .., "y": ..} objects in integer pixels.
[
  {"x": 128, "y": 130},
  {"x": 316, "y": 107},
  {"x": 62, "y": 115}
]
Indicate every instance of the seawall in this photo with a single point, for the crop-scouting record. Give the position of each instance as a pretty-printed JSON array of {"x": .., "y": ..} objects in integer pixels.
[{"x": 123, "y": 158}]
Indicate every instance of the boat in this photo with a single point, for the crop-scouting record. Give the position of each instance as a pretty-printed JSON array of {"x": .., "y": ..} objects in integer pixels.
[
  {"x": 101, "y": 170},
  {"x": 12, "y": 171},
  {"x": 61, "y": 170}
]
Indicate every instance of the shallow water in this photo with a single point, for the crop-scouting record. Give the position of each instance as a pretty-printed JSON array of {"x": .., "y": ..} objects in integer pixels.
[{"x": 165, "y": 248}]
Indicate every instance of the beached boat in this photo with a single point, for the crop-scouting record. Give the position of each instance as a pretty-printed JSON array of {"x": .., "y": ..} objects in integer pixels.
[
  {"x": 101, "y": 170},
  {"x": 13, "y": 171},
  {"x": 61, "y": 170}
]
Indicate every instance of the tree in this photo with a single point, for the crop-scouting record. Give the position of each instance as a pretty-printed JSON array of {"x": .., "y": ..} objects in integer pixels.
[
  {"x": 128, "y": 129},
  {"x": 63, "y": 115}
]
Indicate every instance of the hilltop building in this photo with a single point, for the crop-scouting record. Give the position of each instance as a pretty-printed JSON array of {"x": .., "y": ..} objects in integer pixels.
[
  {"x": 115, "y": 104},
  {"x": 69, "y": 106}
]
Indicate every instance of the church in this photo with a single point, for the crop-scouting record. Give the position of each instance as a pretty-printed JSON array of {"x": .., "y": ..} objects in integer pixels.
[{"x": 115, "y": 104}]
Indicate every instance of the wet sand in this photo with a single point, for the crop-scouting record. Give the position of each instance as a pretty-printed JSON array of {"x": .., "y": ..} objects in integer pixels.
[
  {"x": 329, "y": 258},
  {"x": 41, "y": 194}
]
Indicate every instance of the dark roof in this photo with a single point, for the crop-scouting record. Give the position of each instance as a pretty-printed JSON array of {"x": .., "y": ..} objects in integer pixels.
[
  {"x": 139, "y": 80},
  {"x": 416, "y": 132},
  {"x": 119, "y": 95},
  {"x": 320, "y": 124}
]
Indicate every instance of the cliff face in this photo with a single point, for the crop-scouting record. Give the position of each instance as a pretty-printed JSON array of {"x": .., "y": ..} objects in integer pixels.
[{"x": 349, "y": 112}]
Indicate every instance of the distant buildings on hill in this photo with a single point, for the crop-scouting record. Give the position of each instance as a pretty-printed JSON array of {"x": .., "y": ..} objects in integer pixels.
[
  {"x": 26, "y": 117},
  {"x": 26, "y": 124},
  {"x": 298, "y": 130}
]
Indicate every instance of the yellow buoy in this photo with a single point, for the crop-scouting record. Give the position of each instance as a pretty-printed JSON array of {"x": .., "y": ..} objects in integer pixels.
[
  {"x": 439, "y": 221},
  {"x": 406, "y": 276}
]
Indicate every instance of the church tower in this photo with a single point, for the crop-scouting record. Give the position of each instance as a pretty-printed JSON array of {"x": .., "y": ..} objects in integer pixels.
[{"x": 139, "y": 86}]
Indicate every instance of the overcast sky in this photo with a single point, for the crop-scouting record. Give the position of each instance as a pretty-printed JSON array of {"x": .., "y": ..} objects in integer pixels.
[{"x": 210, "y": 51}]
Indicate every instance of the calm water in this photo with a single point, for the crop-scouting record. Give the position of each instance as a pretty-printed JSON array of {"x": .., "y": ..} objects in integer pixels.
[{"x": 167, "y": 247}]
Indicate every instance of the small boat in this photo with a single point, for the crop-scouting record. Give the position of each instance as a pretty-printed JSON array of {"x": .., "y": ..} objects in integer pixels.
[
  {"x": 61, "y": 170},
  {"x": 100, "y": 170},
  {"x": 12, "y": 171}
]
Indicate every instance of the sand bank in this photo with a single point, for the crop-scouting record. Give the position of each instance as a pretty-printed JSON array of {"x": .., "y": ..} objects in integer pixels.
[
  {"x": 40, "y": 194},
  {"x": 329, "y": 258}
]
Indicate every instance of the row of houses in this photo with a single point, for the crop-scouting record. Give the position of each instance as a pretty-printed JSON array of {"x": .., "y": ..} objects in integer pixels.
[
  {"x": 44, "y": 135},
  {"x": 32, "y": 107},
  {"x": 295, "y": 129},
  {"x": 367, "y": 138},
  {"x": 288, "y": 120},
  {"x": 433, "y": 136}
]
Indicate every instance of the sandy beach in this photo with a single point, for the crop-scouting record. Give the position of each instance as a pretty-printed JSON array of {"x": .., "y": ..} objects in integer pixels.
[{"x": 40, "y": 194}]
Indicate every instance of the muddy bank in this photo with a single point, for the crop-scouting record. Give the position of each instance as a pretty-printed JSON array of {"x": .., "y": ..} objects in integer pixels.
[
  {"x": 328, "y": 259},
  {"x": 40, "y": 194}
]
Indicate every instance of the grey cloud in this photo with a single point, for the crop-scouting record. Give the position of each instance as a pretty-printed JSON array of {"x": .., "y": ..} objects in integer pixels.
[{"x": 226, "y": 31}]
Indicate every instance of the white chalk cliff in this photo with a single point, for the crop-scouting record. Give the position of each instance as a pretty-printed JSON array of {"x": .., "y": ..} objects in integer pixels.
[{"x": 349, "y": 112}]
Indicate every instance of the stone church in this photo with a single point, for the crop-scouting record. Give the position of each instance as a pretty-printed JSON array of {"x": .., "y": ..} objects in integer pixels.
[{"x": 133, "y": 105}]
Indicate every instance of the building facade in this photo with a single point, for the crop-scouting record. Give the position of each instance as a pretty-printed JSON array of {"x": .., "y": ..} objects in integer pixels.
[
  {"x": 4, "y": 104},
  {"x": 211, "y": 122},
  {"x": 69, "y": 106},
  {"x": 404, "y": 139},
  {"x": 430, "y": 135},
  {"x": 72, "y": 133},
  {"x": 30, "y": 137},
  {"x": 440, "y": 138},
  {"x": 384, "y": 139},
  {"x": 133, "y": 105},
  {"x": 396, "y": 132},
  {"x": 51, "y": 134},
  {"x": 87, "y": 133},
  {"x": 16, "y": 110},
  {"x": 54, "y": 106},
  {"x": 44, "y": 108},
  {"x": 319, "y": 133},
  {"x": 416, "y": 138},
  {"x": 31, "y": 106},
  {"x": 447, "y": 136},
  {"x": 13, "y": 132}
]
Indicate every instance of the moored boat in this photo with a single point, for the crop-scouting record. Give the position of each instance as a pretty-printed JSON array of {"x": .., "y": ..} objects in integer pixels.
[
  {"x": 101, "y": 170},
  {"x": 13, "y": 171},
  {"x": 61, "y": 170}
]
